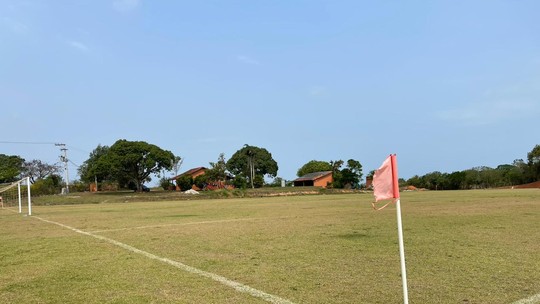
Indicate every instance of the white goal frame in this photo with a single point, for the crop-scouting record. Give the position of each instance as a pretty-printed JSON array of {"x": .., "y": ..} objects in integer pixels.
[{"x": 18, "y": 184}]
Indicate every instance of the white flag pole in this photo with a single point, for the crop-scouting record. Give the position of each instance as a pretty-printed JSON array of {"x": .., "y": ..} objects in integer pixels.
[
  {"x": 402, "y": 254},
  {"x": 383, "y": 193},
  {"x": 395, "y": 186}
]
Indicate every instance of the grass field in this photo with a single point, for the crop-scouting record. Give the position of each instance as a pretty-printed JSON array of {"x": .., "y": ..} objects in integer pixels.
[{"x": 461, "y": 247}]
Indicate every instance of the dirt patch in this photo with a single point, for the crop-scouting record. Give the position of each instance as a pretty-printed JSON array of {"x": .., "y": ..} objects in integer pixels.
[{"x": 528, "y": 186}]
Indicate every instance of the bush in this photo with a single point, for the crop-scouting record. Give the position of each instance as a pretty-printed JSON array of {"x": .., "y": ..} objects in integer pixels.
[
  {"x": 239, "y": 193},
  {"x": 240, "y": 182},
  {"x": 78, "y": 186},
  {"x": 201, "y": 181},
  {"x": 109, "y": 186},
  {"x": 47, "y": 186},
  {"x": 184, "y": 182},
  {"x": 166, "y": 184},
  {"x": 258, "y": 181}
]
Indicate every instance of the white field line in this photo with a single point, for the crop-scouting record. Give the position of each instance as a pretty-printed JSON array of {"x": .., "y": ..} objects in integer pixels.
[
  {"x": 177, "y": 224},
  {"x": 14, "y": 210},
  {"x": 223, "y": 280},
  {"x": 531, "y": 300}
]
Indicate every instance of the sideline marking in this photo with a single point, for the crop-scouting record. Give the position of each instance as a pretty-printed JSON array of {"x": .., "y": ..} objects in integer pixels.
[
  {"x": 223, "y": 280},
  {"x": 531, "y": 300}
]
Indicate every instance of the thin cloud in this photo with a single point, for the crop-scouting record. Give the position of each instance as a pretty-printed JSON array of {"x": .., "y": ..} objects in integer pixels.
[
  {"x": 79, "y": 45},
  {"x": 485, "y": 113},
  {"x": 317, "y": 91},
  {"x": 248, "y": 60},
  {"x": 124, "y": 6},
  {"x": 14, "y": 26}
]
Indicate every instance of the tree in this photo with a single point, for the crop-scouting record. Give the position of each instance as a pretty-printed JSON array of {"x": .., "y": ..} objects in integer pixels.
[
  {"x": 434, "y": 180},
  {"x": 416, "y": 181},
  {"x": 456, "y": 180},
  {"x": 11, "y": 167},
  {"x": 533, "y": 162},
  {"x": 351, "y": 175},
  {"x": 92, "y": 169},
  {"x": 251, "y": 161},
  {"x": 336, "y": 173},
  {"x": 520, "y": 172},
  {"x": 37, "y": 170},
  {"x": 135, "y": 161},
  {"x": 218, "y": 170},
  {"x": 177, "y": 163},
  {"x": 48, "y": 185},
  {"x": 314, "y": 166}
]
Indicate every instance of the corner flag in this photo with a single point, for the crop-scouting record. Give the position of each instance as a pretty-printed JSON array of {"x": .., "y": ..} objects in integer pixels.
[
  {"x": 386, "y": 186},
  {"x": 385, "y": 180}
]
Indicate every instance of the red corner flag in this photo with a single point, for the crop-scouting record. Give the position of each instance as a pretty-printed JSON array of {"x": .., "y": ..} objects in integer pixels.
[
  {"x": 385, "y": 186},
  {"x": 385, "y": 180}
]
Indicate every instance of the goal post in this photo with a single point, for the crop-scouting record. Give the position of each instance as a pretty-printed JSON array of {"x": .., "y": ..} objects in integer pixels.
[{"x": 17, "y": 194}]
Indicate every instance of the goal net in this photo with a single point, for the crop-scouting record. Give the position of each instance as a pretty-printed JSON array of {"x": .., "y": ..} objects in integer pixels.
[{"x": 16, "y": 196}]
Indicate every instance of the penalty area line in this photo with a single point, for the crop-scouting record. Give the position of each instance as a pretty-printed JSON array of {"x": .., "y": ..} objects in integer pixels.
[
  {"x": 530, "y": 300},
  {"x": 220, "y": 279}
]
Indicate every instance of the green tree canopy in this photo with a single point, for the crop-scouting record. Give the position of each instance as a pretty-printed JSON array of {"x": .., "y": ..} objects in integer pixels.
[
  {"x": 252, "y": 161},
  {"x": 92, "y": 169},
  {"x": 217, "y": 170},
  {"x": 314, "y": 166},
  {"x": 135, "y": 161},
  {"x": 11, "y": 167},
  {"x": 349, "y": 176},
  {"x": 533, "y": 161}
]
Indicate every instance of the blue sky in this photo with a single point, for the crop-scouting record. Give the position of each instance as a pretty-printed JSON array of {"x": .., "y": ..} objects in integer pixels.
[{"x": 447, "y": 85}]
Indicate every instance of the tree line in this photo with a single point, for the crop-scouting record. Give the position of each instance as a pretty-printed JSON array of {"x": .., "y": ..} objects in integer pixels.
[
  {"x": 44, "y": 177},
  {"x": 130, "y": 164},
  {"x": 517, "y": 173}
]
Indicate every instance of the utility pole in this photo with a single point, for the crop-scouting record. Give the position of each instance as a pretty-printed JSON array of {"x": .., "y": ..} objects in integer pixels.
[
  {"x": 64, "y": 159},
  {"x": 251, "y": 169}
]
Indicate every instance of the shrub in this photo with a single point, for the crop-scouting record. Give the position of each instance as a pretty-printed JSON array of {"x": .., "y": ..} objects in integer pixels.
[
  {"x": 184, "y": 182},
  {"x": 201, "y": 181},
  {"x": 166, "y": 184},
  {"x": 240, "y": 182},
  {"x": 78, "y": 186},
  {"x": 46, "y": 186},
  {"x": 258, "y": 181}
]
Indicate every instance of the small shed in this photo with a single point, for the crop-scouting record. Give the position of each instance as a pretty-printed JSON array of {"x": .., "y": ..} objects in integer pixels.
[
  {"x": 192, "y": 173},
  {"x": 317, "y": 179}
]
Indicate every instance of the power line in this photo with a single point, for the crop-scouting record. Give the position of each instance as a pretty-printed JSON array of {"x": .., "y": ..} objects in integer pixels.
[
  {"x": 73, "y": 163},
  {"x": 27, "y": 142},
  {"x": 78, "y": 149}
]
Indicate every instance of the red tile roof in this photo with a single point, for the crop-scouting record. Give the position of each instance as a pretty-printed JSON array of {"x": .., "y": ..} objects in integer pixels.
[{"x": 313, "y": 176}]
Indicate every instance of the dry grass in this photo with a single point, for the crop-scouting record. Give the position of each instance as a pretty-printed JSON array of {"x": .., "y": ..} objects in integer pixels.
[{"x": 461, "y": 247}]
